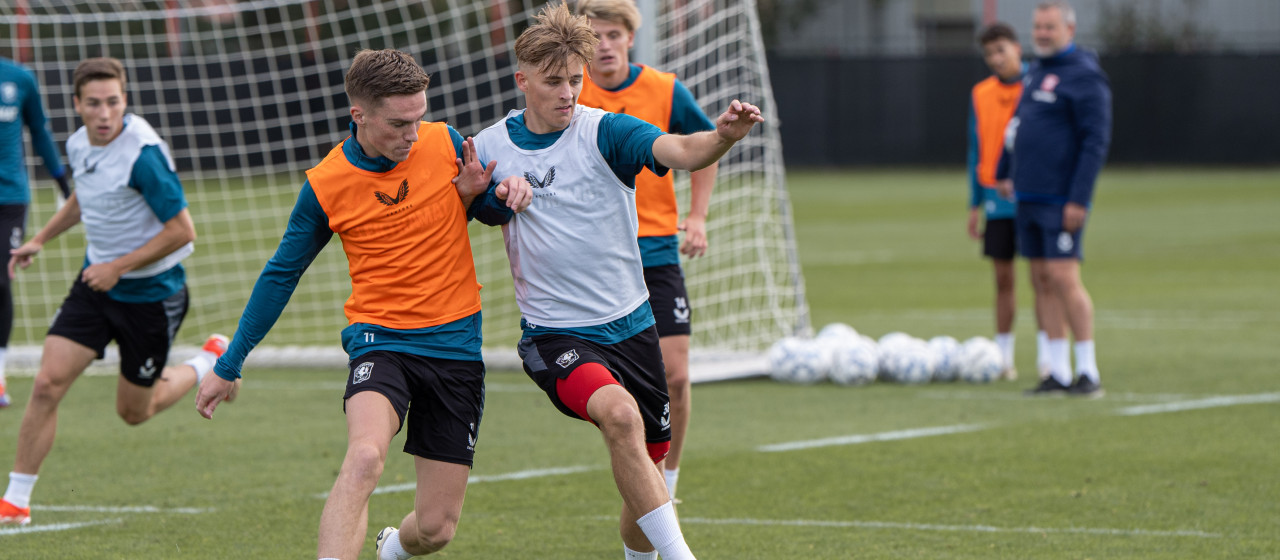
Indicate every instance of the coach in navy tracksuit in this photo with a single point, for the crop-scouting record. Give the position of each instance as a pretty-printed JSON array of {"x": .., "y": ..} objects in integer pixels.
[{"x": 1056, "y": 145}]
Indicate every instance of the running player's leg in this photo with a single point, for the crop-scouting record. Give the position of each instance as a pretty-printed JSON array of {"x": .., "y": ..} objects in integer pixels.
[
  {"x": 443, "y": 429},
  {"x": 60, "y": 365},
  {"x": 436, "y": 510},
  {"x": 144, "y": 333},
  {"x": 371, "y": 423}
]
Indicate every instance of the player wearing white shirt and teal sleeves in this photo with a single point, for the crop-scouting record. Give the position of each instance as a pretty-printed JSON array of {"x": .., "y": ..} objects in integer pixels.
[
  {"x": 576, "y": 264},
  {"x": 132, "y": 288}
]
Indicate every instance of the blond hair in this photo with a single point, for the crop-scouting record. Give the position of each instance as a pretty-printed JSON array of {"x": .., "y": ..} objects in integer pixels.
[
  {"x": 558, "y": 36},
  {"x": 94, "y": 69},
  {"x": 622, "y": 12},
  {"x": 375, "y": 75}
]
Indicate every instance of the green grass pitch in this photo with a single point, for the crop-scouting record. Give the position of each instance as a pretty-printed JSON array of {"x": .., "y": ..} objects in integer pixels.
[{"x": 1180, "y": 459}]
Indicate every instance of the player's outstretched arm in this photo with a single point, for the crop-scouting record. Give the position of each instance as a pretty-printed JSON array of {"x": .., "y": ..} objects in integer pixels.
[
  {"x": 701, "y": 149},
  {"x": 62, "y": 220},
  {"x": 304, "y": 237}
]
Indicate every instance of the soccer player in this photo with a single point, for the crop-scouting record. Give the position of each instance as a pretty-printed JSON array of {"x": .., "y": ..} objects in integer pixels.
[
  {"x": 19, "y": 104},
  {"x": 614, "y": 84},
  {"x": 589, "y": 339},
  {"x": 1061, "y": 133},
  {"x": 991, "y": 106},
  {"x": 398, "y": 192},
  {"x": 133, "y": 286}
]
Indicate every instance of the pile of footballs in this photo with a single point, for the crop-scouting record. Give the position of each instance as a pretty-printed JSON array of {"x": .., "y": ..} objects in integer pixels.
[{"x": 844, "y": 356}]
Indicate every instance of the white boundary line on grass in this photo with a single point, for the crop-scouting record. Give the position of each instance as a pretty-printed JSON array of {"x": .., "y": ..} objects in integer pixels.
[
  {"x": 867, "y": 438},
  {"x": 478, "y": 478},
  {"x": 124, "y": 509},
  {"x": 936, "y": 527},
  {"x": 56, "y": 527},
  {"x": 1211, "y": 402}
]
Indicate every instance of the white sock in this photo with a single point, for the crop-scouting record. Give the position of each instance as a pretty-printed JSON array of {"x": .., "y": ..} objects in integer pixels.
[
  {"x": 19, "y": 491},
  {"x": 202, "y": 362},
  {"x": 1005, "y": 342},
  {"x": 1060, "y": 361},
  {"x": 3, "y": 353},
  {"x": 633, "y": 555},
  {"x": 672, "y": 476},
  {"x": 1042, "y": 352},
  {"x": 1086, "y": 362},
  {"x": 663, "y": 531},
  {"x": 392, "y": 549}
]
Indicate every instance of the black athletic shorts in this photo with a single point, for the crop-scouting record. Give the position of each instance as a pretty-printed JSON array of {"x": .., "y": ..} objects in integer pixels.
[
  {"x": 668, "y": 298},
  {"x": 13, "y": 223},
  {"x": 636, "y": 363},
  {"x": 143, "y": 331},
  {"x": 1000, "y": 239},
  {"x": 444, "y": 400}
]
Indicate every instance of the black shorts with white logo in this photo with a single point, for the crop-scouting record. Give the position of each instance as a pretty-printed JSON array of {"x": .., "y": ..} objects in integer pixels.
[
  {"x": 1000, "y": 239},
  {"x": 143, "y": 331},
  {"x": 636, "y": 363},
  {"x": 443, "y": 399},
  {"x": 13, "y": 223},
  {"x": 669, "y": 299}
]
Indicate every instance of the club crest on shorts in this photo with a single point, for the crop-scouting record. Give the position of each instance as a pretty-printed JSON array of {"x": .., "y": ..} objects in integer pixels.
[
  {"x": 567, "y": 358},
  {"x": 362, "y": 373},
  {"x": 1065, "y": 243},
  {"x": 681, "y": 311},
  {"x": 147, "y": 370}
]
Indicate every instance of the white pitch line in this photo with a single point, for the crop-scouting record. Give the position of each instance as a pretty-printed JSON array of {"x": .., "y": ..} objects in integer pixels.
[
  {"x": 123, "y": 509},
  {"x": 1212, "y": 402},
  {"x": 867, "y": 438},
  {"x": 55, "y": 527},
  {"x": 476, "y": 479},
  {"x": 935, "y": 527}
]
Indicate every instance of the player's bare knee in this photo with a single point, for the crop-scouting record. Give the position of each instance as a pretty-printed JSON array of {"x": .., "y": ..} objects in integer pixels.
[
  {"x": 435, "y": 534},
  {"x": 133, "y": 416},
  {"x": 46, "y": 392},
  {"x": 677, "y": 381},
  {"x": 1005, "y": 283},
  {"x": 620, "y": 418},
  {"x": 363, "y": 461}
]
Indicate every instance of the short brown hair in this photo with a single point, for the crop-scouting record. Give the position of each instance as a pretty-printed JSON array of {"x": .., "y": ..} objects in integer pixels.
[
  {"x": 995, "y": 32},
  {"x": 623, "y": 12},
  {"x": 375, "y": 75},
  {"x": 99, "y": 68},
  {"x": 556, "y": 37}
]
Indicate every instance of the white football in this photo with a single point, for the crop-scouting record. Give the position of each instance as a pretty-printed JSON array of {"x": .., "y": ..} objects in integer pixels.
[
  {"x": 906, "y": 361},
  {"x": 797, "y": 360},
  {"x": 946, "y": 355},
  {"x": 980, "y": 360},
  {"x": 838, "y": 331},
  {"x": 852, "y": 361}
]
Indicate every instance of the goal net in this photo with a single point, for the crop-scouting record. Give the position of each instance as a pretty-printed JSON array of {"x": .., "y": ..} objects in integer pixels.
[{"x": 249, "y": 96}]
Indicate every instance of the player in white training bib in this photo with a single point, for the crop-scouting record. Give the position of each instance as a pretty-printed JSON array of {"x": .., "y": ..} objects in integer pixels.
[{"x": 589, "y": 340}]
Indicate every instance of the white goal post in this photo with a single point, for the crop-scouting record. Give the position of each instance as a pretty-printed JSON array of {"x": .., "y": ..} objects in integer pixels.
[{"x": 249, "y": 95}]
